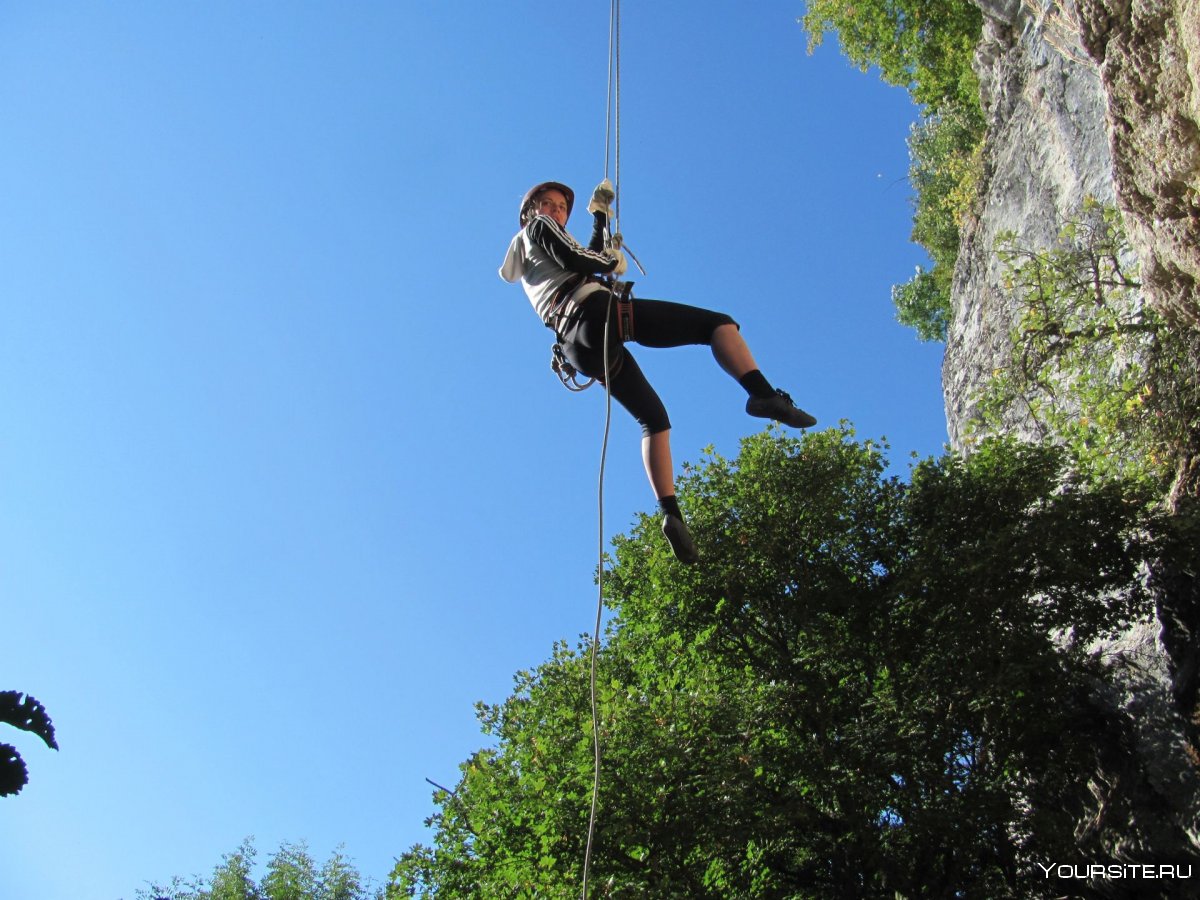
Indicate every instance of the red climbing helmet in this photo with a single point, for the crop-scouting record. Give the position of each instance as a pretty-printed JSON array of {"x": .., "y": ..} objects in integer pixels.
[{"x": 534, "y": 192}]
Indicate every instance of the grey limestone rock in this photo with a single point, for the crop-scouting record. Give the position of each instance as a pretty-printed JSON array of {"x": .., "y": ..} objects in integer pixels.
[{"x": 1098, "y": 98}]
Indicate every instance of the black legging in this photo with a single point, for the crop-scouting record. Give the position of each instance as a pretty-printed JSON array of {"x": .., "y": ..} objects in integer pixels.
[{"x": 656, "y": 323}]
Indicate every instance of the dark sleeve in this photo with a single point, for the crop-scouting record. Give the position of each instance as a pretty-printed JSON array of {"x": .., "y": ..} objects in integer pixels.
[
  {"x": 546, "y": 233},
  {"x": 598, "y": 228}
]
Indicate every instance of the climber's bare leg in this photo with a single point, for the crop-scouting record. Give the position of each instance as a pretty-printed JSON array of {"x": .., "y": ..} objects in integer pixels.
[
  {"x": 656, "y": 457},
  {"x": 731, "y": 351}
]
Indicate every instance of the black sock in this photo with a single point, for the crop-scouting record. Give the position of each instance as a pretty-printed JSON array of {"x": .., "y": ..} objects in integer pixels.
[
  {"x": 756, "y": 384},
  {"x": 670, "y": 506}
]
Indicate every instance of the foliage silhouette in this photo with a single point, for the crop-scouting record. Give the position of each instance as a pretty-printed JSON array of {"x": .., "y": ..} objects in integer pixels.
[{"x": 24, "y": 712}]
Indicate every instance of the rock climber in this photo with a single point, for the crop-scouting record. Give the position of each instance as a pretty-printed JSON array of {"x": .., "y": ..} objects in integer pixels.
[{"x": 565, "y": 283}]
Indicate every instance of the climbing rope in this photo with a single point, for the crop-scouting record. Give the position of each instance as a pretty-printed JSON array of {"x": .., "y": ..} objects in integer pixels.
[
  {"x": 591, "y": 832},
  {"x": 612, "y": 116},
  {"x": 612, "y": 140}
]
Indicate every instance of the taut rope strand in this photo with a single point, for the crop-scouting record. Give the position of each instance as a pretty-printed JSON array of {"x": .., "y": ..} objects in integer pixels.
[{"x": 612, "y": 130}]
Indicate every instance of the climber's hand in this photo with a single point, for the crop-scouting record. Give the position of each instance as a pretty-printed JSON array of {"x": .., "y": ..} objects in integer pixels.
[
  {"x": 622, "y": 264},
  {"x": 602, "y": 198}
]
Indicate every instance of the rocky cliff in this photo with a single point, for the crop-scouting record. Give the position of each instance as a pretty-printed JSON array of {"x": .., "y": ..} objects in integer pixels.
[
  {"x": 1099, "y": 98},
  {"x": 1148, "y": 57}
]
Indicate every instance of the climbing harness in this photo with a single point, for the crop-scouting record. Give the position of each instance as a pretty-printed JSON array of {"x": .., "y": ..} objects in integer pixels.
[
  {"x": 561, "y": 366},
  {"x": 621, "y": 293}
]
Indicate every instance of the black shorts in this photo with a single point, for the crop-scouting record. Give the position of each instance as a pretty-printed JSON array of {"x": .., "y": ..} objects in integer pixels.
[{"x": 657, "y": 323}]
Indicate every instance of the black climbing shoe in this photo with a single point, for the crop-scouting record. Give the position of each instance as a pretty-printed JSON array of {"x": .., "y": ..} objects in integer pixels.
[
  {"x": 779, "y": 406},
  {"x": 680, "y": 539}
]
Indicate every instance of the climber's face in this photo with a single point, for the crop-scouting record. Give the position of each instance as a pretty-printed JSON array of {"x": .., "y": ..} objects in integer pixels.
[{"x": 552, "y": 203}]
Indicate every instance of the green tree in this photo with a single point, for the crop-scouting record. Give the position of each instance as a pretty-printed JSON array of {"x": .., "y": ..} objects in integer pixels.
[
  {"x": 24, "y": 712},
  {"x": 925, "y": 46},
  {"x": 945, "y": 149},
  {"x": 1092, "y": 364},
  {"x": 866, "y": 688},
  {"x": 291, "y": 874}
]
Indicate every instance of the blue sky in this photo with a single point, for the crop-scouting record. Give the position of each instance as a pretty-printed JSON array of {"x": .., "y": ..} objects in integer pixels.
[{"x": 286, "y": 483}]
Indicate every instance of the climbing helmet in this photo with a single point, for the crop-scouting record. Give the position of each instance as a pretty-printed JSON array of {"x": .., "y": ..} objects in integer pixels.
[{"x": 534, "y": 192}]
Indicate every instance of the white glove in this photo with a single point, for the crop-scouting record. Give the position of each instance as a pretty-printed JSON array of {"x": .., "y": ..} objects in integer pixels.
[
  {"x": 602, "y": 198},
  {"x": 622, "y": 264}
]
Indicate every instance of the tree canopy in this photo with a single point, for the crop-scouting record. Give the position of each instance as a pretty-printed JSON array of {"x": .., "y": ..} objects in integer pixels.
[
  {"x": 291, "y": 874},
  {"x": 867, "y": 687},
  {"x": 926, "y": 47}
]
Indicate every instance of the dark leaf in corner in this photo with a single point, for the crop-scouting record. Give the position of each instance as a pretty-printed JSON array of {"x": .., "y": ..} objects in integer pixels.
[
  {"x": 13, "y": 774},
  {"x": 24, "y": 712}
]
